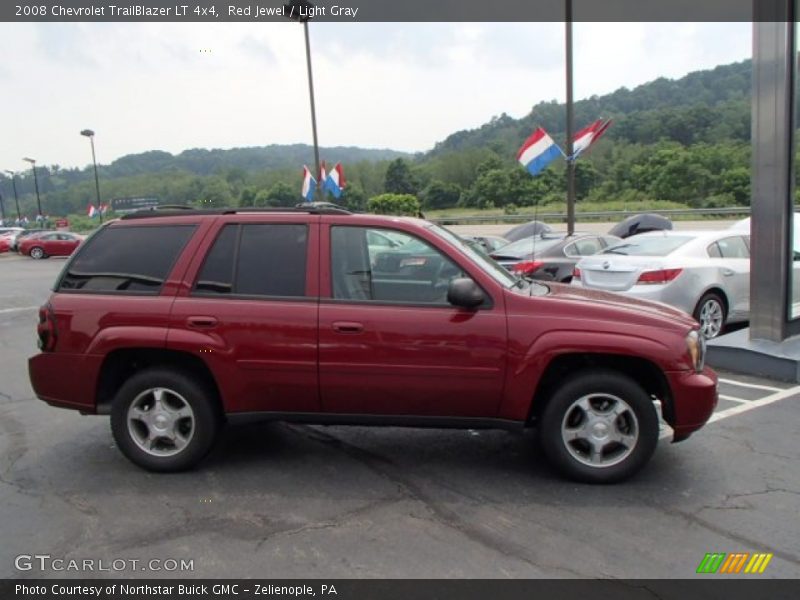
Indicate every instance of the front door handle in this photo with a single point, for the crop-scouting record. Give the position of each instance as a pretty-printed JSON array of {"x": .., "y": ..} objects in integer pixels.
[
  {"x": 728, "y": 272},
  {"x": 201, "y": 322},
  {"x": 348, "y": 327}
]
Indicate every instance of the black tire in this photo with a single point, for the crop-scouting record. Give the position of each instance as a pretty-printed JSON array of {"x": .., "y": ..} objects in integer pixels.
[
  {"x": 711, "y": 313},
  {"x": 37, "y": 253},
  {"x": 600, "y": 386},
  {"x": 181, "y": 390}
]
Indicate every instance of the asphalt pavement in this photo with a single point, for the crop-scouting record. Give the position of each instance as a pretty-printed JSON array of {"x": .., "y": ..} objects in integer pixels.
[{"x": 297, "y": 501}]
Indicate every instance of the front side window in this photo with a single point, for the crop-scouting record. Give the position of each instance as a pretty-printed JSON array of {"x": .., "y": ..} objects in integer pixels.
[
  {"x": 256, "y": 260},
  {"x": 126, "y": 259},
  {"x": 411, "y": 272}
]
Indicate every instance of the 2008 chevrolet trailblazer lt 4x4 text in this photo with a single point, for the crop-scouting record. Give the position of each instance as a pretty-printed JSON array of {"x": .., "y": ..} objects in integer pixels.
[{"x": 174, "y": 322}]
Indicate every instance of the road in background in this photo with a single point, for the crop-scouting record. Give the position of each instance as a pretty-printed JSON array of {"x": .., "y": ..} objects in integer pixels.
[{"x": 495, "y": 229}]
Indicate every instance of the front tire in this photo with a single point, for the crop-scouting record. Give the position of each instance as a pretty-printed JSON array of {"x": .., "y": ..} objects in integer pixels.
[
  {"x": 38, "y": 253},
  {"x": 162, "y": 420},
  {"x": 600, "y": 427}
]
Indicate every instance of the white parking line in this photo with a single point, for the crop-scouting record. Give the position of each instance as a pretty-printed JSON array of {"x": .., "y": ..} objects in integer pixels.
[
  {"x": 744, "y": 407},
  {"x": 750, "y": 385},
  {"x": 19, "y": 309},
  {"x": 734, "y": 399}
]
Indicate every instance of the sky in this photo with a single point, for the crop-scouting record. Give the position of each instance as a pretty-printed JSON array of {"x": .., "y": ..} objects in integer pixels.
[{"x": 405, "y": 86}]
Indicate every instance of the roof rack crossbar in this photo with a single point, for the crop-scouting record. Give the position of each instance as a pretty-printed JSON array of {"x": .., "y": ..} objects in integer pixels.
[{"x": 180, "y": 211}]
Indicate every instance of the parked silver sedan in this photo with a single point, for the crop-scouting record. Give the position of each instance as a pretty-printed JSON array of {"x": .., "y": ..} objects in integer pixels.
[{"x": 705, "y": 273}]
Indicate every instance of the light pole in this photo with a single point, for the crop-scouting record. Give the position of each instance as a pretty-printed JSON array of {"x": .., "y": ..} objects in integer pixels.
[
  {"x": 90, "y": 134},
  {"x": 570, "y": 126},
  {"x": 16, "y": 198},
  {"x": 302, "y": 11},
  {"x": 2, "y": 211},
  {"x": 36, "y": 184}
]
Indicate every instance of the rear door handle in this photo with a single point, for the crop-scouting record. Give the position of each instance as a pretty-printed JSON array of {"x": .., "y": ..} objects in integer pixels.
[
  {"x": 728, "y": 272},
  {"x": 348, "y": 327},
  {"x": 201, "y": 322}
]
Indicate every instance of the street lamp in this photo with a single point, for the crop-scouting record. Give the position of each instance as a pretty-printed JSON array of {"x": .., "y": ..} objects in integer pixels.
[
  {"x": 16, "y": 198},
  {"x": 36, "y": 184},
  {"x": 90, "y": 134},
  {"x": 301, "y": 11}
]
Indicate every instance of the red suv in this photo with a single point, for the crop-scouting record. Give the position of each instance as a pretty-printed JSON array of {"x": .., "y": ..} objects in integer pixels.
[{"x": 174, "y": 322}]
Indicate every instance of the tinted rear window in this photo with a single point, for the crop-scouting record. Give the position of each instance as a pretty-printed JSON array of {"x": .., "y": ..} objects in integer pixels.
[
  {"x": 256, "y": 260},
  {"x": 649, "y": 245},
  {"x": 127, "y": 259}
]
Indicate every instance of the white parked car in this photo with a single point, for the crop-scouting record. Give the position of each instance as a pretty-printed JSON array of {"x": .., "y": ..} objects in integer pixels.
[{"x": 704, "y": 273}]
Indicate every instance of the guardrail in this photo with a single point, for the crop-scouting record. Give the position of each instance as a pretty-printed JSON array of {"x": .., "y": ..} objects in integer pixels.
[{"x": 609, "y": 215}]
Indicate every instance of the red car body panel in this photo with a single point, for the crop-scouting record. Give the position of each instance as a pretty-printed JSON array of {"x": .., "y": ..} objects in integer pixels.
[{"x": 321, "y": 355}]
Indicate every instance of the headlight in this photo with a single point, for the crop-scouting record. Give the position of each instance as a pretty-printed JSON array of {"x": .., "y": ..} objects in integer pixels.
[{"x": 696, "y": 345}]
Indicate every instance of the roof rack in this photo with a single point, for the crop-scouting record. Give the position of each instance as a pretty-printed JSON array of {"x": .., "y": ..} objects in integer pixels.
[{"x": 182, "y": 210}]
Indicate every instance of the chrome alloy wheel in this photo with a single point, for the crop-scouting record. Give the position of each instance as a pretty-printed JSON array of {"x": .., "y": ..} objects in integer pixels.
[
  {"x": 161, "y": 422},
  {"x": 711, "y": 315},
  {"x": 600, "y": 430}
]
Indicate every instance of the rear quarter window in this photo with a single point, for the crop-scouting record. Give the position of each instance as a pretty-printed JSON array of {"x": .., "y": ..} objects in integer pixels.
[{"x": 126, "y": 259}]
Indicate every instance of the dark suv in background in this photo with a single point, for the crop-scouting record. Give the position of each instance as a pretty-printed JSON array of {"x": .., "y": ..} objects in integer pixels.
[{"x": 174, "y": 322}]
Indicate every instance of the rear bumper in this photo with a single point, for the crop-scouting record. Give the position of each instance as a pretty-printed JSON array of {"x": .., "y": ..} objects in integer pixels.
[
  {"x": 694, "y": 398},
  {"x": 65, "y": 380}
]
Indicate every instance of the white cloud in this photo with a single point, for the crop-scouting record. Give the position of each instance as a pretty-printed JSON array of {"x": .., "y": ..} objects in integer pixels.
[{"x": 406, "y": 86}]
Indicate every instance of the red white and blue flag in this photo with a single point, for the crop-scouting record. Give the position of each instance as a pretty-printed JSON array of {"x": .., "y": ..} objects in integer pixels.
[
  {"x": 335, "y": 181},
  {"x": 588, "y": 136},
  {"x": 538, "y": 151},
  {"x": 92, "y": 211},
  {"x": 309, "y": 185}
]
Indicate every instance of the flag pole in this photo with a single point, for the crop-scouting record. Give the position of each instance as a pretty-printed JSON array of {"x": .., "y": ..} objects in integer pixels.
[{"x": 570, "y": 126}]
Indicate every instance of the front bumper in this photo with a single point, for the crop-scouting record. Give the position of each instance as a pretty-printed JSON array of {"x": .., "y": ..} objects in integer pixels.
[{"x": 694, "y": 398}]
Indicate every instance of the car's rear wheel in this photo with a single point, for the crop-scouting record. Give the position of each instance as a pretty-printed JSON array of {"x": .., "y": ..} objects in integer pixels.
[
  {"x": 163, "y": 420},
  {"x": 38, "y": 253},
  {"x": 710, "y": 313},
  {"x": 600, "y": 427}
]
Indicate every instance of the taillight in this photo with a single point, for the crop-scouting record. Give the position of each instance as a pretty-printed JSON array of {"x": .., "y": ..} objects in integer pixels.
[
  {"x": 46, "y": 329},
  {"x": 660, "y": 276},
  {"x": 576, "y": 273},
  {"x": 527, "y": 267}
]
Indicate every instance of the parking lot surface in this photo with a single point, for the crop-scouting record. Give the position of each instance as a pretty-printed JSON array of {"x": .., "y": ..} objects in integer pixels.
[{"x": 280, "y": 500}]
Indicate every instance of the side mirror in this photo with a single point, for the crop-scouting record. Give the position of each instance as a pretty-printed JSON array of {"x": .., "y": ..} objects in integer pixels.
[{"x": 464, "y": 292}]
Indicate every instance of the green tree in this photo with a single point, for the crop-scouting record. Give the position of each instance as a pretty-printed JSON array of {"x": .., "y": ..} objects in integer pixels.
[
  {"x": 439, "y": 194},
  {"x": 394, "y": 204},
  {"x": 400, "y": 179}
]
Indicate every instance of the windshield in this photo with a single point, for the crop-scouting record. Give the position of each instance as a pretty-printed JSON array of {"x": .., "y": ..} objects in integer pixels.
[
  {"x": 657, "y": 245},
  {"x": 482, "y": 260},
  {"x": 527, "y": 246}
]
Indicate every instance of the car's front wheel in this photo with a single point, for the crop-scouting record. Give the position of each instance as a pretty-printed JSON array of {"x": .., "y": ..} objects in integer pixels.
[
  {"x": 599, "y": 427},
  {"x": 38, "y": 253},
  {"x": 163, "y": 420}
]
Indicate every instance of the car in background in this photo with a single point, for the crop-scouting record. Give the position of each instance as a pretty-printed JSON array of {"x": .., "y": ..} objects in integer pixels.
[
  {"x": 551, "y": 256},
  {"x": 526, "y": 230},
  {"x": 18, "y": 236},
  {"x": 5, "y": 243},
  {"x": 487, "y": 243},
  {"x": 704, "y": 273},
  {"x": 9, "y": 230},
  {"x": 53, "y": 243},
  {"x": 642, "y": 223}
]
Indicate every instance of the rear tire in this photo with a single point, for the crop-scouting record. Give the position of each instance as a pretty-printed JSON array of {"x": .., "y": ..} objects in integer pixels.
[
  {"x": 600, "y": 427},
  {"x": 163, "y": 420},
  {"x": 711, "y": 314}
]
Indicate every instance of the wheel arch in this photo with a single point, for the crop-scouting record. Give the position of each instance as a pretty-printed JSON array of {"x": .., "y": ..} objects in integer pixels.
[
  {"x": 641, "y": 370},
  {"x": 119, "y": 365}
]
